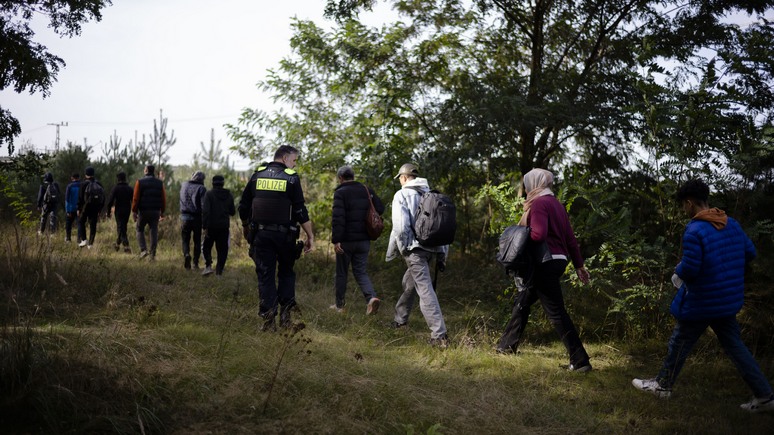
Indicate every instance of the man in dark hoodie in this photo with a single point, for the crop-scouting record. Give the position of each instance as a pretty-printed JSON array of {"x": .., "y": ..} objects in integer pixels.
[
  {"x": 191, "y": 195},
  {"x": 91, "y": 199},
  {"x": 48, "y": 200},
  {"x": 217, "y": 209},
  {"x": 121, "y": 198},
  {"x": 351, "y": 202}
]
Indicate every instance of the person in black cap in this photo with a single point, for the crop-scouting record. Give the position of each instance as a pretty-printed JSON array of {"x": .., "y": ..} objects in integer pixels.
[
  {"x": 48, "y": 200},
  {"x": 121, "y": 199},
  {"x": 217, "y": 209},
  {"x": 272, "y": 206},
  {"x": 91, "y": 199}
]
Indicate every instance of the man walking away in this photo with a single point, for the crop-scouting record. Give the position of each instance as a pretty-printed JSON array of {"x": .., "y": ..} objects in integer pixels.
[
  {"x": 148, "y": 206},
  {"x": 121, "y": 199},
  {"x": 191, "y": 195},
  {"x": 217, "y": 209},
  {"x": 91, "y": 199},
  {"x": 403, "y": 242},
  {"x": 351, "y": 202},
  {"x": 71, "y": 205},
  {"x": 48, "y": 200},
  {"x": 710, "y": 281},
  {"x": 272, "y": 207}
]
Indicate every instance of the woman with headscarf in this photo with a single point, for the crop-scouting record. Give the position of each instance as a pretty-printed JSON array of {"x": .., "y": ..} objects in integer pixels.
[{"x": 549, "y": 224}]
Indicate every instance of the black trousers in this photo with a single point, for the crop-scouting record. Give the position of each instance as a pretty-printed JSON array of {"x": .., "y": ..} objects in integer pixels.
[
  {"x": 189, "y": 228},
  {"x": 122, "y": 225},
  {"x": 219, "y": 238},
  {"x": 548, "y": 289},
  {"x": 90, "y": 214},
  {"x": 274, "y": 253}
]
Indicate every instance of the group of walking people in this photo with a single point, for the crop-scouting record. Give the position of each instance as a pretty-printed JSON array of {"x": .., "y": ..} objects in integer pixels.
[
  {"x": 709, "y": 278},
  {"x": 203, "y": 212}
]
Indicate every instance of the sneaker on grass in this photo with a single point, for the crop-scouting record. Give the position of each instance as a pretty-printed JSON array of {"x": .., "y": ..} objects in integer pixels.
[
  {"x": 373, "y": 306},
  {"x": 337, "y": 309},
  {"x": 207, "y": 271},
  {"x": 765, "y": 404},
  {"x": 652, "y": 386}
]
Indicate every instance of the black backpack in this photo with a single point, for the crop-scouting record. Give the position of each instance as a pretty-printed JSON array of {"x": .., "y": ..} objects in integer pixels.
[
  {"x": 94, "y": 194},
  {"x": 436, "y": 221},
  {"x": 52, "y": 194}
]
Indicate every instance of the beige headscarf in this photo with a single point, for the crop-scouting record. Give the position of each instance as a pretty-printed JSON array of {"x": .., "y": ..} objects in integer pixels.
[{"x": 537, "y": 182}]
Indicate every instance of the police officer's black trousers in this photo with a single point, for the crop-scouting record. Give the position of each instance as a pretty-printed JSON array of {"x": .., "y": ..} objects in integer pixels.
[{"x": 274, "y": 253}]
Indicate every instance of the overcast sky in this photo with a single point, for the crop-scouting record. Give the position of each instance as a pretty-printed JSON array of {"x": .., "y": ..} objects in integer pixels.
[{"x": 198, "y": 60}]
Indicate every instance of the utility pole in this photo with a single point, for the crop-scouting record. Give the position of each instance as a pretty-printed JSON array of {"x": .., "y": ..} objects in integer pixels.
[{"x": 57, "y": 125}]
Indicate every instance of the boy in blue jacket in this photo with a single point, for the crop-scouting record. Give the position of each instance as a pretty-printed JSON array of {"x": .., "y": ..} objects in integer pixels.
[{"x": 710, "y": 281}]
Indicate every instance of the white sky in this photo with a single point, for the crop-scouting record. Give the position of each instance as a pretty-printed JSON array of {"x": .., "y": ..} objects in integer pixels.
[{"x": 197, "y": 60}]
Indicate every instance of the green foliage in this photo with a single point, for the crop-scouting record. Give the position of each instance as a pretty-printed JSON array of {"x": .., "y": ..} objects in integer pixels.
[
  {"x": 19, "y": 180},
  {"x": 26, "y": 65}
]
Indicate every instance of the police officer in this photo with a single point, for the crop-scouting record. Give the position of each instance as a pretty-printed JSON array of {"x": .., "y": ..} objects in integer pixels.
[{"x": 272, "y": 209}]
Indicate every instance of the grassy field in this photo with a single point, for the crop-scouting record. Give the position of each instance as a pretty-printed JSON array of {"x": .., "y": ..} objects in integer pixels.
[{"x": 98, "y": 341}]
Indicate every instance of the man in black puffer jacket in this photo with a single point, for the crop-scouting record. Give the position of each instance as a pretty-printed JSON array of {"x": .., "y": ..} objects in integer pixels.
[
  {"x": 148, "y": 206},
  {"x": 350, "y": 238},
  {"x": 191, "y": 196},
  {"x": 217, "y": 209}
]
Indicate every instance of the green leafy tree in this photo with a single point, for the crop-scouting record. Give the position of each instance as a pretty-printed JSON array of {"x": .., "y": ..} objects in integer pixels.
[{"x": 27, "y": 66}]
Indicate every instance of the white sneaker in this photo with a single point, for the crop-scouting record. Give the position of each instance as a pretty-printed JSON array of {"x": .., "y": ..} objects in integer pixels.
[
  {"x": 373, "y": 306},
  {"x": 143, "y": 254},
  {"x": 207, "y": 271},
  {"x": 652, "y": 386},
  {"x": 338, "y": 310},
  {"x": 759, "y": 405},
  {"x": 83, "y": 243}
]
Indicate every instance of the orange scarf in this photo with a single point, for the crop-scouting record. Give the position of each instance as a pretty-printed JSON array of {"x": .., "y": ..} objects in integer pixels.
[{"x": 715, "y": 216}]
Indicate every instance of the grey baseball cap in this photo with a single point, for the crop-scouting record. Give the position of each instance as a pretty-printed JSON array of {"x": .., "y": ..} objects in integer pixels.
[{"x": 408, "y": 169}]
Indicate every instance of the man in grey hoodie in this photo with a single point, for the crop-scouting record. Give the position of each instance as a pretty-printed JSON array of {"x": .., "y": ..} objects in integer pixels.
[
  {"x": 403, "y": 242},
  {"x": 191, "y": 196}
]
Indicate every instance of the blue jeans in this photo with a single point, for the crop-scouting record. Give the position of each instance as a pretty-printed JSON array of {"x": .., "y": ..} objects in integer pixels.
[
  {"x": 355, "y": 253},
  {"x": 417, "y": 282},
  {"x": 687, "y": 333}
]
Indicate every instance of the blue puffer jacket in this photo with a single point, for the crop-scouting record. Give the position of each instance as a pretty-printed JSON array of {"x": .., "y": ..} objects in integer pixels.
[{"x": 712, "y": 269}]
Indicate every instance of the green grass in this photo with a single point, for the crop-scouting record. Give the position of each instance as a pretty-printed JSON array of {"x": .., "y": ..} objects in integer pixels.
[{"x": 95, "y": 341}]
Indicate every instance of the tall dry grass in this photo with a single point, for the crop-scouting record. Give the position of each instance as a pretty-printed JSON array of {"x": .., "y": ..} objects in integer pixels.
[{"x": 97, "y": 341}]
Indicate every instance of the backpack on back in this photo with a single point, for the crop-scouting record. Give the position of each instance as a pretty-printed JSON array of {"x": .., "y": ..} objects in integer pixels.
[
  {"x": 52, "y": 194},
  {"x": 436, "y": 221},
  {"x": 94, "y": 194}
]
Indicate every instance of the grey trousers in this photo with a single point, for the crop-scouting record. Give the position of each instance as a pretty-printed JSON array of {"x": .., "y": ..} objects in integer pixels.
[{"x": 417, "y": 282}]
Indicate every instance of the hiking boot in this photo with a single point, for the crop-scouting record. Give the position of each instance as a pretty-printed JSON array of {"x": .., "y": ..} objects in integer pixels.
[
  {"x": 373, "y": 306},
  {"x": 397, "y": 325},
  {"x": 117, "y": 247},
  {"x": 207, "y": 271},
  {"x": 756, "y": 405},
  {"x": 143, "y": 254},
  {"x": 269, "y": 325},
  {"x": 338, "y": 309},
  {"x": 187, "y": 262},
  {"x": 83, "y": 243},
  {"x": 285, "y": 318},
  {"x": 581, "y": 368},
  {"x": 652, "y": 386},
  {"x": 127, "y": 250},
  {"x": 196, "y": 266},
  {"x": 441, "y": 342}
]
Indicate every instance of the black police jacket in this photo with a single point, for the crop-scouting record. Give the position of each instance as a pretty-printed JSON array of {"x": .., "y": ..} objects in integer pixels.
[{"x": 273, "y": 196}]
